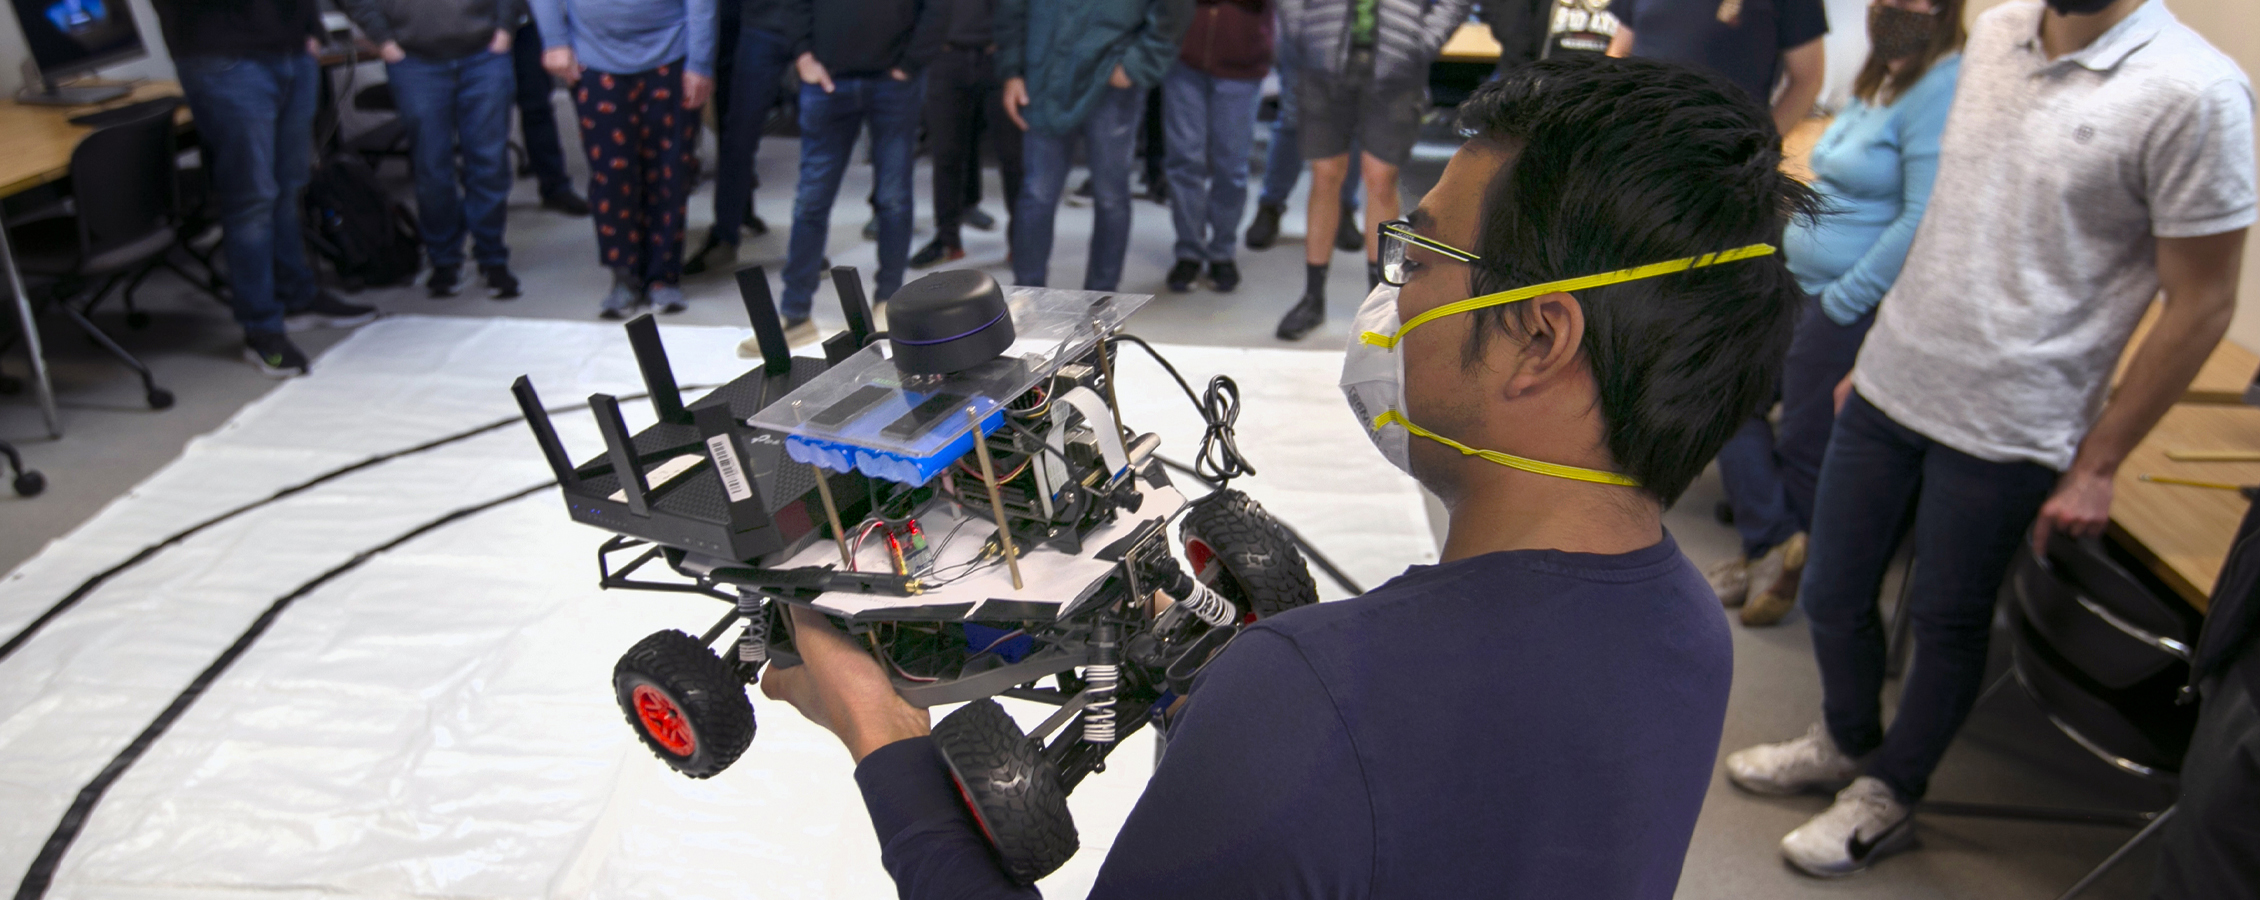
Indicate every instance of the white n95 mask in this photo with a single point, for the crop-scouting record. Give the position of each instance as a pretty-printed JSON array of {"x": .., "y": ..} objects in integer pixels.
[
  {"x": 1373, "y": 368},
  {"x": 1373, "y": 377}
]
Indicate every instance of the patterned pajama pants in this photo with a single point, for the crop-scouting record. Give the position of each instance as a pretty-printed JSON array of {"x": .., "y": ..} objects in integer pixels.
[{"x": 640, "y": 140}]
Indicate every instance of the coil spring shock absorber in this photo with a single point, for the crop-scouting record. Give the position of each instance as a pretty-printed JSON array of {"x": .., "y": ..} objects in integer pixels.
[
  {"x": 1197, "y": 598},
  {"x": 1100, "y": 678},
  {"x": 753, "y": 645}
]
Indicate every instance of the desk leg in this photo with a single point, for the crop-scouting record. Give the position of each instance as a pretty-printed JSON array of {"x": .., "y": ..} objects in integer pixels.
[{"x": 30, "y": 324}]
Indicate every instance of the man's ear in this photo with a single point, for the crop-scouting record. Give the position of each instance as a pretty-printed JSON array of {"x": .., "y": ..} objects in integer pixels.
[{"x": 1553, "y": 329}]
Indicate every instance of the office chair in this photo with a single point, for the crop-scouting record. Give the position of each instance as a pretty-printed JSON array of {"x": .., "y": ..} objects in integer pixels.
[
  {"x": 2102, "y": 654},
  {"x": 119, "y": 223},
  {"x": 28, "y": 482}
]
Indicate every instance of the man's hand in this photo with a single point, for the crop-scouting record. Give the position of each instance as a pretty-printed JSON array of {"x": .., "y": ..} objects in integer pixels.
[
  {"x": 696, "y": 89},
  {"x": 501, "y": 42},
  {"x": 1843, "y": 393},
  {"x": 2080, "y": 507},
  {"x": 813, "y": 72},
  {"x": 1015, "y": 97},
  {"x": 314, "y": 47},
  {"x": 391, "y": 52},
  {"x": 1119, "y": 80},
  {"x": 899, "y": 75},
  {"x": 839, "y": 686},
  {"x": 561, "y": 62}
]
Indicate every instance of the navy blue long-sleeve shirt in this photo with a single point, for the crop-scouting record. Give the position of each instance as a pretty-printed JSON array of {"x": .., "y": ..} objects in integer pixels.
[{"x": 1524, "y": 724}]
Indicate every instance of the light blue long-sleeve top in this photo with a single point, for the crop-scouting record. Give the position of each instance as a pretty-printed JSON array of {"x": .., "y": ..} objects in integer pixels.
[
  {"x": 1873, "y": 167},
  {"x": 622, "y": 36}
]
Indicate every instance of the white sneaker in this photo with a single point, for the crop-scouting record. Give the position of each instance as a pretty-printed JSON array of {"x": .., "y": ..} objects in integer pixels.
[
  {"x": 1866, "y": 823},
  {"x": 1794, "y": 766}
]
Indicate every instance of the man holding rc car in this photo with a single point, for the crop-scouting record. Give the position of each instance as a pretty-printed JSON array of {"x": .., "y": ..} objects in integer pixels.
[{"x": 1569, "y": 325}]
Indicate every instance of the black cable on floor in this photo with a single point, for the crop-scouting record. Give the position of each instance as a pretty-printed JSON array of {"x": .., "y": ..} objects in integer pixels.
[
  {"x": 1325, "y": 565},
  {"x": 42, "y": 872},
  {"x": 87, "y": 587}
]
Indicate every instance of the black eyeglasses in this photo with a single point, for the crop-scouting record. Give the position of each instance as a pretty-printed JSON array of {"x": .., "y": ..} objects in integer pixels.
[{"x": 1394, "y": 235}]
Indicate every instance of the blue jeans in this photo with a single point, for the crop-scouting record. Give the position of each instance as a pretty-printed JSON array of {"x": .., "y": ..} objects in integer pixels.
[
  {"x": 1969, "y": 516},
  {"x": 255, "y": 118},
  {"x": 762, "y": 58},
  {"x": 1211, "y": 123},
  {"x": 537, "y": 119},
  {"x": 1110, "y": 139},
  {"x": 1770, "y": 478},
  {"x": 828, "y": 125},
  {"x": 455, "y": 106},
  {"x": 1283, "y": 162}
]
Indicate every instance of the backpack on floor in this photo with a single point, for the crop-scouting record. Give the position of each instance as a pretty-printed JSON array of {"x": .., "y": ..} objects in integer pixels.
[{"x": 368, "y": 237}]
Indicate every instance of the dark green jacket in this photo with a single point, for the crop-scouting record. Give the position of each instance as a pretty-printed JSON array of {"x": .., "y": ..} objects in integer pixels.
[{"x": 1066, "y": 49}]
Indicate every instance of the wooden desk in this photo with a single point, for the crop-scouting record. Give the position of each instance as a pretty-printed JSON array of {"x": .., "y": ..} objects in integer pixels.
[
  {"x": 2228, "y": 369},
  {"x": 2183, "y": 532},
  {"x": 35, "y": 148},
  {"x": 1470, "y": 43}
]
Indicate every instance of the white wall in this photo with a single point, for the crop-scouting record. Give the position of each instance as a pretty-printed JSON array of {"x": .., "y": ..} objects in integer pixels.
[
  {"x": 158, "y": 65},
  {"x": 1847, "y": 45}
]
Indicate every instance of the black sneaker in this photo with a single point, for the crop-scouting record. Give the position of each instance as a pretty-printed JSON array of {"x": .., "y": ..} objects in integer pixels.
[
  {"x": 565, "y": 201},
  {"x": 935, "y": 253},
  {"x": 500, "y": 281},
  {"x": 723, "y": 252},
  {"x": 274, "y": 354},
  {"x": 1264, "y": 231},
  {"x": 1224, "y": 275},
  {"x": 1308, "y": 314},
  {"x": 327, "y": 311},
  {"x": 1182, "y": 274},
  {"x": 871, "y": 230},
  {"x": 980, "y": 220},
  {"x": 1348, "y": 237},
  {"x": 754, "y": 222},
  {"x": 443, "y": 280}
]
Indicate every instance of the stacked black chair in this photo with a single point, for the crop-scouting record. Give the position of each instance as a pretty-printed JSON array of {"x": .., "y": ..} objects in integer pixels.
[
  {"x": 119, "y": 224},
  {"x": 2103, "y": 654}
]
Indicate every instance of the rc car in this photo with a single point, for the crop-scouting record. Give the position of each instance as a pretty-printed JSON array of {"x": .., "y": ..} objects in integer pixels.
[{"x": 958, "y": 494}]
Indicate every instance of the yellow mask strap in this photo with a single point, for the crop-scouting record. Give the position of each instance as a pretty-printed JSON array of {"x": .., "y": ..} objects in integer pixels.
[
  {"x": 1574, "y": 473},
  {"x": 1580, "y": 283}
]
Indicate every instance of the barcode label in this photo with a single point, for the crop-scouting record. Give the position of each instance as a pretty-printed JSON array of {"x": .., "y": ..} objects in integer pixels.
[{"x": 726, "y": 462}]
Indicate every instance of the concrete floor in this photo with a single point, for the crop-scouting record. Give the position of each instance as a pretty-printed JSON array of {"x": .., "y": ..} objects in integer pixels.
[{"x": 2008, "y": 753}]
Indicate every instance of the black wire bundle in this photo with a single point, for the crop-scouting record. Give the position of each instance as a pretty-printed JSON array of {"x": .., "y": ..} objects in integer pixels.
[{"x": 1219, "y": 460}]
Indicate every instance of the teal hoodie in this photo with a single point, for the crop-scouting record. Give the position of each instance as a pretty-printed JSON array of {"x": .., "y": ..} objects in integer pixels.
[{"x": 1066, "y": 50}]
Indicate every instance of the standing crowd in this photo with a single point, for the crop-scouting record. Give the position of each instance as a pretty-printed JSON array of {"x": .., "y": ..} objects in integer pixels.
[{"x": 2000, "y": 204}]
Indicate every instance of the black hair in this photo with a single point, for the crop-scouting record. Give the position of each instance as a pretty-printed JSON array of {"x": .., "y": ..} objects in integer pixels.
[{"x": 1623, "y": 162}]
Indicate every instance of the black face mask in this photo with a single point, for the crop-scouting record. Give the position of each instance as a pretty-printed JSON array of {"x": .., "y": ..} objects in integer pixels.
[
  {"x": 1895, "y": 33},
  {"x": 2078, "y": 7}
]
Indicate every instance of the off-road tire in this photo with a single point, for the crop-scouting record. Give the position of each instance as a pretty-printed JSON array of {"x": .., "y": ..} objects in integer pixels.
[
  {"x": 1249, "y": 556},
  {"x": 1013, "y": 791},
  {"x": 711, "y": 722}
]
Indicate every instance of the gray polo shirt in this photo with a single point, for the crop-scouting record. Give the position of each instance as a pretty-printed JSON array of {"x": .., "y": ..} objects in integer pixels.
[{"x": 2037, "y": 255}]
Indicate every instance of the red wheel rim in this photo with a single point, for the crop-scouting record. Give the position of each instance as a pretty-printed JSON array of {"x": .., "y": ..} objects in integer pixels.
[
  {"x": 664, "y": 721},
  {"x": 1203, "y": 558}
]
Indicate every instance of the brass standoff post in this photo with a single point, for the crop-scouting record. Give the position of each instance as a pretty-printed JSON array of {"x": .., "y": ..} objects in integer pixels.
[
  {"x": 996, "y": 500},
  {"x": 832, "y": 515}
]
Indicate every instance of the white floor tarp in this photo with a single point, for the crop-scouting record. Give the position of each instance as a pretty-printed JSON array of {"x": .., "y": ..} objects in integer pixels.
[{"x": 439, "y": 722}]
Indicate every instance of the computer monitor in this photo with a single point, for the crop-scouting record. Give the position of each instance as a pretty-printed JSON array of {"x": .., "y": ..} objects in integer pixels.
[{"x": 70, "y": 37}]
